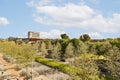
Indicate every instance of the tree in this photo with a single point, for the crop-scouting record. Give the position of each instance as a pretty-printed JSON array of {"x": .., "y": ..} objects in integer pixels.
[
  {"x": 104, "y": 48},
  {"x": 43, "y": 49},
  {"x": 55, "y": 53},
  {"x": 85, "y": 37},
  {"x": 115, "y": 42},
  {"x": 113, "y": 62},
  {"x": 88, "y": 67},
  {"x": 9, "y": 50},
  {"x": 25, "y": 56},
  {"x": 80, "y": 47},
  {"x": 21, "y": 55},
  {"x": 91, "y": 47},
  {"x": 70, "y": 50},
  {"x": 64, "y": 36},
  {"x": 49, "y": 45},
  {"x": 64, "y": 43}
]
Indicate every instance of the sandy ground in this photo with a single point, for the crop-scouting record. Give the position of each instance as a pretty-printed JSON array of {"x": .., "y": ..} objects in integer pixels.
[{"x": 10, "y": 68}]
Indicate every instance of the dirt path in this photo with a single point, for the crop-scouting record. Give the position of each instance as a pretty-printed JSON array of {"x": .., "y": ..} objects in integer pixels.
[{"x": 10, "y": 68}]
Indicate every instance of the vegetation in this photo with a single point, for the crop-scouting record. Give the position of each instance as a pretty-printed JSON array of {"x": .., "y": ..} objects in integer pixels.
[
  {"x": 64, "y": 36},
  {"x": 71, "y": 70},
  {"x": 84, "y": 59},
  {"x": 87, "y": 63},
  {"x": 85, "y": 37},
  {"x": 20, "y": 54},
  {"x": 77, "y": 53}
]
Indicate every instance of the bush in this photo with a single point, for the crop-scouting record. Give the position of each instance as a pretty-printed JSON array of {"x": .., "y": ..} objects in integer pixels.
[
  {"x": 7, "y": 58},
  {"x": 70, "y": 70},
  {"x": 23, "y": 73}
]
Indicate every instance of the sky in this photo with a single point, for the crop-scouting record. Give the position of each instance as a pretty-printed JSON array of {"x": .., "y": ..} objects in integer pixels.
[{"x": 98, "y": 18}]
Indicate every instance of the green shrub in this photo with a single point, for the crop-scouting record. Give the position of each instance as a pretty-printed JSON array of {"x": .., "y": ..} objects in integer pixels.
[{"x": 70, "y": 70}]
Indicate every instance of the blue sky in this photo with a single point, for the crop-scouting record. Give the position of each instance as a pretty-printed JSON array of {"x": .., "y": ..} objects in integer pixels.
[{"x": 98, "y": 18}]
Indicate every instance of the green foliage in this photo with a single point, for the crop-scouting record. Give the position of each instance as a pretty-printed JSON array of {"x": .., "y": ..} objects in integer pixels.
[
  {"x": 92, "y": 48},
  {"x": 76, "y": 42},
  {"x": 69, "y": 52},
  {"x": 113, "y": 62},
  {"x": 85, "y": 67},
  {"x": 87, "y": 63},
  {"x": 85, "y": 37},
  {"x": 55, "y": 52},
  {"x": 42, "y": 48},
  {"x": 104, "y": 48},
  {"x": 18, "y": 41},
  {"x": 107, "y": 78},
  {"x": 80, "y": 47},
  {"x": 21, "y": 54},
  {"x": 7, "y": 47},
  {"x": 49, "y": 45},
  {"x": 115, "y": 42},
  {"x": 64, "y": 36},
  {"x": 64, "y": 43},
  {"x": 25, "y": 55},
  {"x": 72, "y": 71},
  {"x": 100, "y": 48},
  {"x": 75, "y": 73}
]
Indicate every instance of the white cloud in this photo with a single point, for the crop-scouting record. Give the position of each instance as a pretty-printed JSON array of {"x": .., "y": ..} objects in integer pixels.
[
  {"x": 53, "y": 34},
  {"x": 4, "y": 21},
  {"x": 95, "y": 35},
  {"x": 31, "y": 3},
  {"x": 74, "y": 15}
]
